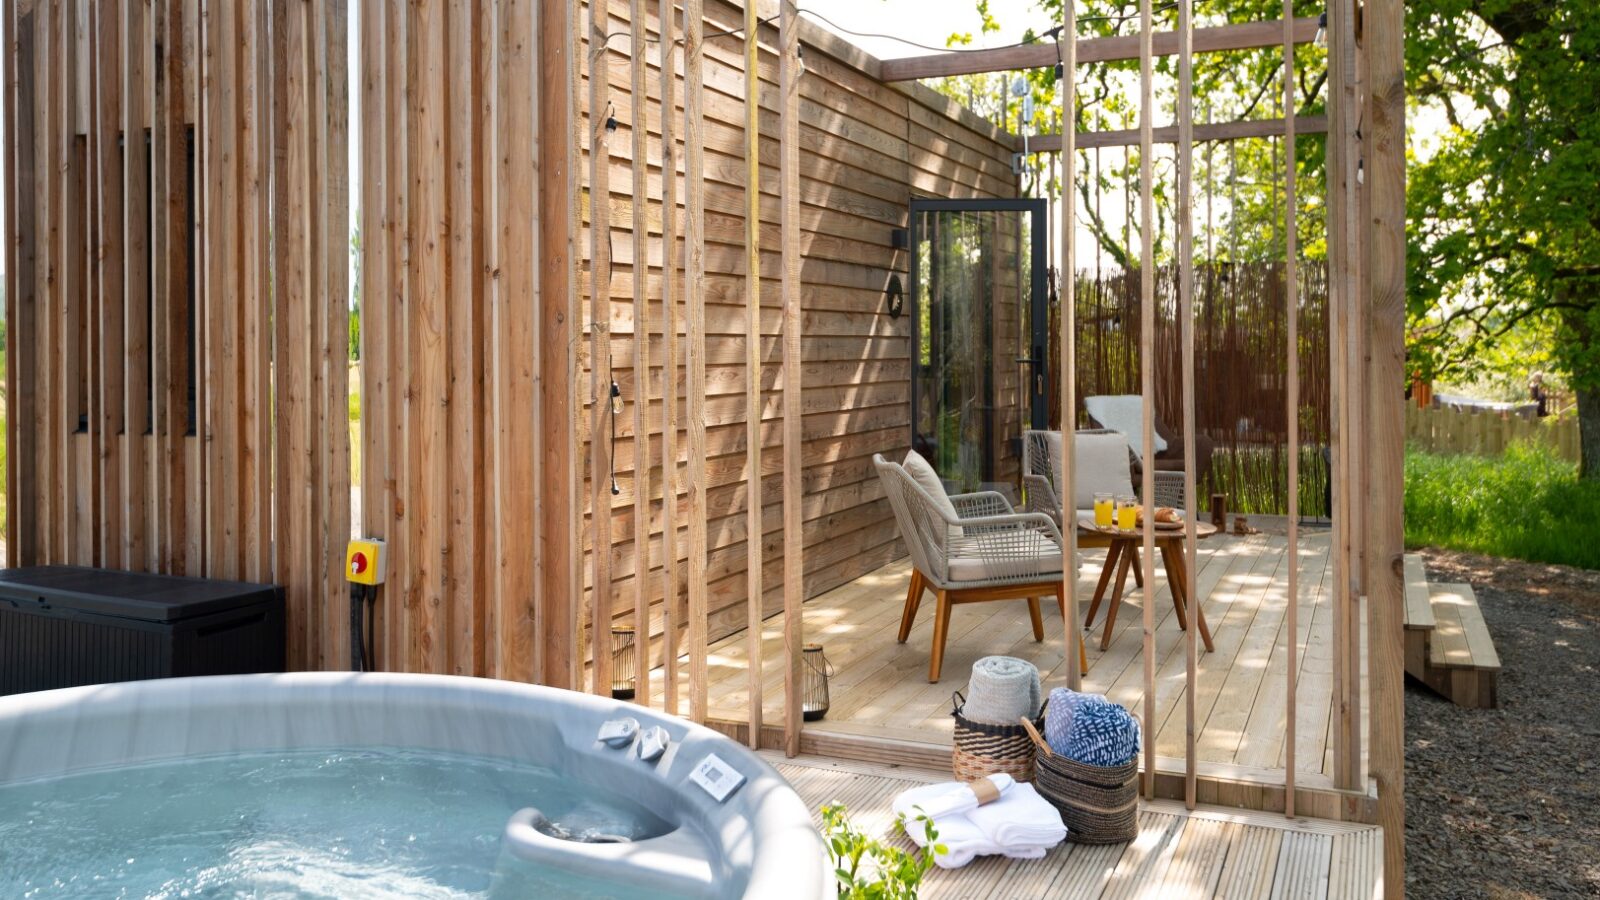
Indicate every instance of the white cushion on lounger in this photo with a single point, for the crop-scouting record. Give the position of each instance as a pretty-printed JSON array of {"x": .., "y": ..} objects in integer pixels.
[{"x": 1124, "y": 413}]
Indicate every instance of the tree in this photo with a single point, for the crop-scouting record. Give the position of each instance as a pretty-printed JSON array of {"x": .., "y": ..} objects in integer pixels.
[
  {"x": 1504, "y": 215},
  {"x": 1247, "y": 174}
]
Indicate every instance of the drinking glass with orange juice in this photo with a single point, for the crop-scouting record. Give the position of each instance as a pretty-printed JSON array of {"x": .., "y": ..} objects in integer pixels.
[
  {"x": 1127, "y": 513},
  {"x": 1104, "y": 510}
]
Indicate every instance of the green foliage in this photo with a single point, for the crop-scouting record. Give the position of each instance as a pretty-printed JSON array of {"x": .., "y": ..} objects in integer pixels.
[
  {"x": 1528, "y": 504},
  {"x": 1503, "y": 219},
  {"x": 1245, "y": 176},
  {"x": 868, "y": 869},
  {"x": 355, "y": 334}
]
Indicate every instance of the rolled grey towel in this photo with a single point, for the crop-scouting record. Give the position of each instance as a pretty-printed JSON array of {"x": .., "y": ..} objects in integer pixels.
[{"x": 1002, "y": 690}]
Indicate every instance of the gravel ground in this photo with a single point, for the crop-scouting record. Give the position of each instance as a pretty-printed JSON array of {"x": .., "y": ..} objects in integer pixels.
[{"x": 1505, "y": 803}]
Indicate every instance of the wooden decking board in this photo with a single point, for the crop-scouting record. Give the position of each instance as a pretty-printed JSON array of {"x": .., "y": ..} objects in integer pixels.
[
  {"x": 880, "y": 692},
  {"x": 1448, "y": 645},
  {"x": 1209, "y": 852},
  {"x": 1480, "y": 646},
  {"x": 1303, "y": 864},
  {"x": 1419, "y": 608}
]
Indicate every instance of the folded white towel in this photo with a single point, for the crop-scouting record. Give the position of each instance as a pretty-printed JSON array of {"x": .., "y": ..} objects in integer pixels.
[
  {"x": 1021, "y": 818},
  {"x": 1026, "y": 828},
  {"x": 958, "y": 798}
]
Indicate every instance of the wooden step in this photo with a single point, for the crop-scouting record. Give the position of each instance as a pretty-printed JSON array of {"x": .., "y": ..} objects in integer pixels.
[
  {"x": 1419, "y": 605},
  {"x": 1459, "y": 659},
  {"x": 1460, "y": 638}
]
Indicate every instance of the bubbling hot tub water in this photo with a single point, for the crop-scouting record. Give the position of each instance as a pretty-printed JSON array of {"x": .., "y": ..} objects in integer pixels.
[
  {"x": 344, "y": 824},
  {"x": 377, "y": 786}
]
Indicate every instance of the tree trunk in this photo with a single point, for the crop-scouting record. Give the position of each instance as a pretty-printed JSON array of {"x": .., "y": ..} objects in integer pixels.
[{"x": 1589, "y": 434}]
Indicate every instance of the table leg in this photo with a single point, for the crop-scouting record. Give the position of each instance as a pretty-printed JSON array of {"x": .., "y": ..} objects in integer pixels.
[
  {"x": 1182, "y": 564},
  {"x": 1172, "y": 561},
  {"x": 1114, "y": 551},
  {"x": 1116, "y": 600}
]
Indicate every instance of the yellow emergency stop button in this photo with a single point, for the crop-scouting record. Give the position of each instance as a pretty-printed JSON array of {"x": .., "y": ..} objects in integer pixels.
[{"x": 364, "y": 562}]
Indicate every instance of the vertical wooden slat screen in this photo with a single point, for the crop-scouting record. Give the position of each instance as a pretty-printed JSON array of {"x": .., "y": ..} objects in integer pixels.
[
  {"x": 1384, "y": 273},
  {"x": 467, "y": 446},
  {"x": 790, "y": 71},
  {"x": 177, "y": 335},
  {"x": 640, "y": 162},
  {"x": 1185, "y": 238},
  {"x": 1147, "y": 328},
  {"x": 1343, "y": 154},
  {"x": 667, "y": 14},
  {"x": 600, "y": 378},
  {"x": 1292, "y": 411},
  {"x": 1068, "y": 341},
  {"x": 753, "y": 529},
  {"x": 695, "y": 325},
  {"x": 310, "y": 330}
]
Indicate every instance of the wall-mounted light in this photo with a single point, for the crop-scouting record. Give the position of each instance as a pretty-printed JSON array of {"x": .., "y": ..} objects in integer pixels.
[{"x": 895, "y": 297}]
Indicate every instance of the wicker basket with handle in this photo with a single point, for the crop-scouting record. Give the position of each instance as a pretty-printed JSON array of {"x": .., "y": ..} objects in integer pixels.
[
  {"x": 1098, "y": 804},
  {"x": 983, "y": 749}
]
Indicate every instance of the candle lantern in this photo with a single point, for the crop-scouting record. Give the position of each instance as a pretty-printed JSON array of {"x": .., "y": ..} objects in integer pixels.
[
  {"x": 814, "y": 689},
  {"x": 622, "y": 674}
]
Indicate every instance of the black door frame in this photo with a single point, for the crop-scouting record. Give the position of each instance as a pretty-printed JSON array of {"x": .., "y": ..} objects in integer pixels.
[{"x": 1038, "y": 312}]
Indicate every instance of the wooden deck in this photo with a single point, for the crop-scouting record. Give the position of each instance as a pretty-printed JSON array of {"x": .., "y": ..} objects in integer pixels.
[
  {"x": 880, "y": 691},
  {"x": 1207, "y": 852}
]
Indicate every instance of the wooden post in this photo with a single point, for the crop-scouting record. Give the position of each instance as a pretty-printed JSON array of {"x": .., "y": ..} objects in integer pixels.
[
  {"x": 790, "y": 72},
  {"x": 752, "y": 361},
  {"x": 1345, "y": 145},
  {"x": 667, "y": 13},
  {"x": 1147, "y": 379},
  {"x": 695, "y": 326},
  {"x": 600, "y": 347},
  {"x": 1292, "y": 410},
  {"x": 639, "y": 102},
  {"x": 559, "y": 584},
  {"x": 1185, "y": 223},
  {"x": 1072, "y": 637},
  {"x": 1385, "y": 239}
]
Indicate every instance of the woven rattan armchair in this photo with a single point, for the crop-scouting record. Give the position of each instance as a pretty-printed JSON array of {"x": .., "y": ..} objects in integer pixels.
[
  {"x": 1041, "y": 475},
  {"x": 986, "y": 551}
]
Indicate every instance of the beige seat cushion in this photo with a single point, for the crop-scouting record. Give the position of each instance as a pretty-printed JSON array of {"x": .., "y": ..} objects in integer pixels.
[
  {"x": 1022, "y": 554},
  {"x": 922, "y": 473}
]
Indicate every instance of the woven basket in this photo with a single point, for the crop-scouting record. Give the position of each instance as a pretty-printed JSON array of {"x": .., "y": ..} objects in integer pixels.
[
  {"x": 984, "y": 749},
  {"x": 1098, "y": 804}
]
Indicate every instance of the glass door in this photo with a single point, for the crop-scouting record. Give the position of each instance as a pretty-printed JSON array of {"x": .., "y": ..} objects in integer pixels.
[{"x": 979, "y": 360}]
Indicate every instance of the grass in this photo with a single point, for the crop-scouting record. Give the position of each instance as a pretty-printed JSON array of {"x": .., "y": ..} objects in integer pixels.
[{"x": 1527, "y": 504}]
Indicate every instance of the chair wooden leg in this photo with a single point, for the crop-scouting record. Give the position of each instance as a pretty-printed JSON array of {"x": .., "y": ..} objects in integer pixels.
[
  {"x": 941, "y": 631},
  {"x": 1116, "y": 601},
  {"x": 1038, "y": 620},
  {"x": 913, "y": 600}
]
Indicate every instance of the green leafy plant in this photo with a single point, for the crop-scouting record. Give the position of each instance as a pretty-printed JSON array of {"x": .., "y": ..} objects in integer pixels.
[
  {"x": 1527, "y": 504},
  {"x": 868, "y": 869}
]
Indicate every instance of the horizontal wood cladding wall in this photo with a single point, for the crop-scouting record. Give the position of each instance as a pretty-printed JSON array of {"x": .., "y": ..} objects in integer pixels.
[
  {"x": 146, "y": 304},
  {"x": 455, "y": 434},
  {"x": 866, "y": 149}
]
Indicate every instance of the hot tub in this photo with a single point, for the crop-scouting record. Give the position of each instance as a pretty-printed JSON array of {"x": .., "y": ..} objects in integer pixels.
[{"x": 378, "y": 784}]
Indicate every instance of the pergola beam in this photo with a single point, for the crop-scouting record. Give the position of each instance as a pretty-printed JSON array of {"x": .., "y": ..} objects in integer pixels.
[
  {"x": 1220, "y": 131},
  {"x": 1245, "y": 36}
]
